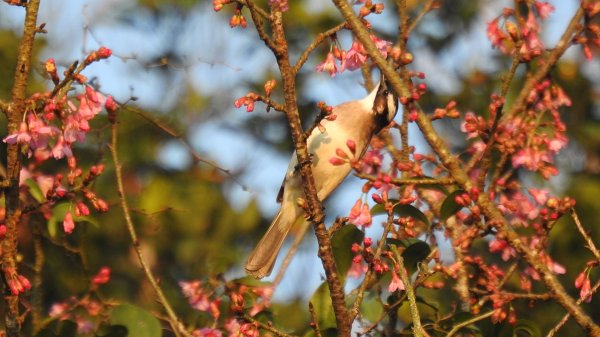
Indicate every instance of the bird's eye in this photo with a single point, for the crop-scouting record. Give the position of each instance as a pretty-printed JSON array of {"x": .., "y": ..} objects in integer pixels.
[{"x": 385, "y": 92}]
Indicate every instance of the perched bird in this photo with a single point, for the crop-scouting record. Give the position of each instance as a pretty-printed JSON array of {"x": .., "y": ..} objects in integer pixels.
[{"x": 355, "y": 120}]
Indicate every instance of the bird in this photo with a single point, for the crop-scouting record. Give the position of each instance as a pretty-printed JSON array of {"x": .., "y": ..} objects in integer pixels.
[{"x": 356, "y": 120}]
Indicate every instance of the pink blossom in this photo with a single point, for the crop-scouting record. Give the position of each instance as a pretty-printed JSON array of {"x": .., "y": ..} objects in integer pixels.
[
  {"x": 61, "y": 149},
  {"x": 357, "y": 269},
  {"x": 502, "y": 246},
  {"x": 90, "y": 104},
  {"x": 539, "y": 195},
  {"x": 102, "y": 277},
  {"x": 58, "y": 309},
  {"x": 68, "y": 223},
  {"x": 558, "y": 143},
  {"x": 328, "y": 65},
  {"x": 232, "y": 326},
  {"x": 396, "y": 283},
  {"x": 360, "y": 215},
  {"x": 382, "y": 45},
  {"x": 207, "y": 332},
  {"x": 544, "y": 9},
  {"x": 356, "y": 56},
  {"x": 495, "y": 35},
  {"x": 21, "y": 137}
]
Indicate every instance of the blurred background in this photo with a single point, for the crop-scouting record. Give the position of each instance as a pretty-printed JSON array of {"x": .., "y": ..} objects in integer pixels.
[{"x": 184, "y": 66}]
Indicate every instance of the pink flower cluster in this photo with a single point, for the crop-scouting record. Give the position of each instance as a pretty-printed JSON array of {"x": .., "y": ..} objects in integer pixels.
[
  {"x": 507, "y": 39},
  {"x": 352, "y": 59},
  {"x": 45, "y": 138}
]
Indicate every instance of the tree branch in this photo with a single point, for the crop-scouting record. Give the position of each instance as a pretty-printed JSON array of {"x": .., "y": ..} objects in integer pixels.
[
  {"x": 316, "y": 215},
  {"x": 176, "y": 325},
  {"x": 15, "y": 112}
]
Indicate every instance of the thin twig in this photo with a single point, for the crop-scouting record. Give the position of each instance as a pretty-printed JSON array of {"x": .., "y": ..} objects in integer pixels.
[
  {"x": 267, "y": 327},
  {"x": 197, "y": 157},
  {"x": 419, "y": 17},
  {"x": 590, "y": 243},
  {"x": 412, "y": 181},
  {"x": 313, "y": 319},
  {"x": 367, "y": 279},
  {"x": 470, "y": 321},
  {"x": 176, "y": 325},
  {"x": 257, "y": 14},
  {"x": 565, "y": 318},
  {"x": 418, "y": 329},
  {"x": 316, "y": 42}
]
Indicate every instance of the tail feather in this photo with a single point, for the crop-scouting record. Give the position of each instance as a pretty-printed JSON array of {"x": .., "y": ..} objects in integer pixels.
[{"x": 262, "y": 259}]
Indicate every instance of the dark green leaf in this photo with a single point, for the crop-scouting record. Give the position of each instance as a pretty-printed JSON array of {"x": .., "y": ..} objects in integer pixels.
[
  {"x": 527, "y": 328},
  {"x": 112, "y": 331},
  {"x": 65, "y": 328},
  {"x": 342, "y": 243},
  {"x": 139, "y": 322},
  {"x": 414, "y": 252},
  {"x": 449, "y": 206},
  {"x": 402, "y": 211},
  {"x": 35, "y": 190},
  {"x": 321, "y": 301}
]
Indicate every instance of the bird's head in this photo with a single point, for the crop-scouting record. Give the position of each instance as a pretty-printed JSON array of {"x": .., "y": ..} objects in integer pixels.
[{"x": 385, "y": 104}]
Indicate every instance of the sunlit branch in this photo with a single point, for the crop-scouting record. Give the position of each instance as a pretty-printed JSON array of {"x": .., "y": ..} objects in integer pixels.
[
  {"x": 267, "y": 327},
  {"x": 411, "y": 181},
  {"x": 566, "y": 317},
  {"x": 256, "y": 13},
  {"x": 418, "y": 330},
  {"x": 468, "y": 322}
]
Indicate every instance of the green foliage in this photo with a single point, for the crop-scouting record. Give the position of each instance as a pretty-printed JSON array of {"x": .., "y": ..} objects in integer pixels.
[
  {"x": 139, "y": 322},
  {"x": 450, "y": 206},
  {"x": 341, "y": 243}
]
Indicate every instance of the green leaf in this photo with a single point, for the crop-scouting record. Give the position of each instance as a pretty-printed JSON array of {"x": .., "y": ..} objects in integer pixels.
[
  {"x": 112, "y": 331},
  {"x": 139, "y": 322},
  {"x": 35, "y": 190},
  {"x": 371, "y": 309},
  {"x": 321, "y": 301},
  {"x": 449, "y": 206},
  {"x": 525, "y": 328},
  {"x": 58, "y": 215},
  {"x": 341, "y": 243},
  {"x": 415, "y": 251},
  {"x": 64, "y": 328},
  {"x": 402, "y": 211}
]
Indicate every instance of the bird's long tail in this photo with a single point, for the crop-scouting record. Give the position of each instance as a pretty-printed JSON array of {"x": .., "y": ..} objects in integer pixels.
[{"x": 261, "y": 260}]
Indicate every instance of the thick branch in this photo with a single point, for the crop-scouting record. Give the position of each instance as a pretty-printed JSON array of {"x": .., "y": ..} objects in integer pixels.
[
  {"x": 14, "y": 114},
  {"x": 310, "y": 191},
  {"x": 454, "y": 167}
]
